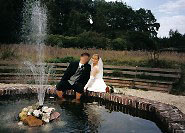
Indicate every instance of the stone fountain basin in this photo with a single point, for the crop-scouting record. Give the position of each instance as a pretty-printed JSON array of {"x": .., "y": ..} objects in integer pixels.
[{"x": 170, "y": 116}]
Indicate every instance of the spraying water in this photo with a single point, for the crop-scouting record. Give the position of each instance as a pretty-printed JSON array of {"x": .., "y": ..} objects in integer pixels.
[{"x": 34, "y": 31}]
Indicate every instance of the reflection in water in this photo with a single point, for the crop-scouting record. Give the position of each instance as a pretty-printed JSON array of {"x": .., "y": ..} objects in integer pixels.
[
  {"x": 87, "y": 116},
  {"x": 94, "y": 115},
  {"x": 76, "y": 116}
]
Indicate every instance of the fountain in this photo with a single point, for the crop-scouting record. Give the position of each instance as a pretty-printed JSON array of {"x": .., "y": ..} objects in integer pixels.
[{"x": 34, "y": 31}]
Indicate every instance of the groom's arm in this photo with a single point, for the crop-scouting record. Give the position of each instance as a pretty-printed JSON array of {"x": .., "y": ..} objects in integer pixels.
[
  {"x": 67, "y": 72},
  {"x": 92, "y": 78},
  {"x": 87, "y": 74}
]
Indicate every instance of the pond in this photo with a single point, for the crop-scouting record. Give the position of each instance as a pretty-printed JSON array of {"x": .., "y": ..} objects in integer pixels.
[{"x": 90, "y": 115}]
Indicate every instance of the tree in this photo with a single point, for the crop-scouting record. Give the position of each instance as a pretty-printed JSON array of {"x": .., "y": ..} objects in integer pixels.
[
  {"x": 111, "y": 20},
  {"x": 146, "y": 22},
  {"x": 10, "y": 20},
  {"x": 99, "y": 16},
  {"x": 92, "y": 40},
  {"x": 68, "y": 17},
  {"x": 176, "y": 39},
  {"x": 77, "y": 23},
  {"x": 139, "y": 41},
  {"x": 119, "y": 44}
]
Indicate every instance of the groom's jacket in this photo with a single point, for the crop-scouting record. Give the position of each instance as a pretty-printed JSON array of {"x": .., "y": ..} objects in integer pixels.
[{"x": 71, "y": 70}]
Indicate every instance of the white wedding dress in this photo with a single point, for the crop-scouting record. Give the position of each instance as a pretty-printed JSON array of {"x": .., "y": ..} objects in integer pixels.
[{"x": 96, "y": 82}]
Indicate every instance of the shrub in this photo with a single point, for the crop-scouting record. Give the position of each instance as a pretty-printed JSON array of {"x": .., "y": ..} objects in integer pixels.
[
  {"x": 69, "y": 42},
  {"x": 83, "y": 40},
  {"x": 139, "y": 41},
  {"x": 159, "y": 63},
  {"x": 118, "y": 44},
  {"x": 8, "y": 53},
  {"x": 92, "y": 40},
  {"x": 61, "y": 41},
  {"x": 54, "y": 40}
]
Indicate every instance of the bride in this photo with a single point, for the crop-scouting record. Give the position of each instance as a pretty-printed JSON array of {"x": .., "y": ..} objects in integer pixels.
[{"x": 96, "y": 82}]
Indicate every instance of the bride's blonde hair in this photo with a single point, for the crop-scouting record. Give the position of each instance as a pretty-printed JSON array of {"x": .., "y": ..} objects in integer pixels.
[{"x": 97, "y": 55}]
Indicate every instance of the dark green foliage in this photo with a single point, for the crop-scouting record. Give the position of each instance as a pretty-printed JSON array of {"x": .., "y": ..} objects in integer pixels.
[
  {"x": 83, "y": 40},
  {"x": 71, "y": 18},
  {"x": 10, "y": 20},
  {"x": 8, "y": 53},
  {"x": 119, "y": 44},
  {"x": 92, "y": 40},
  {"x": 62, "y": 41},
  {"x": 145, "y": 63},
  {"x": 141, "y": 41},
  {"x": 115, "y": 25},
  {"x": 161, "y": 63},
  {"x": 176, "y": 41}
]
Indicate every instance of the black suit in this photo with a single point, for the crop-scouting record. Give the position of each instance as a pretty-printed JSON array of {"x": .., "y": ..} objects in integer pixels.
[{"x": 79, "y": 84}]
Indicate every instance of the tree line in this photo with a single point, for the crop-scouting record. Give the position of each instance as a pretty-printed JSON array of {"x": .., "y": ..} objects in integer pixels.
[{"x": 91, "y": 24}]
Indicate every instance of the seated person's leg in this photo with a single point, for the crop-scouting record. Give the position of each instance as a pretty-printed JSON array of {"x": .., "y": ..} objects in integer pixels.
[
  {"x": 61, "y": 87},
  {"x": 59, "y": 94},
  {"x": 79, "y": 89},
  {"x": 52, "y": 90},
  {"x": 78, "y": 96}
]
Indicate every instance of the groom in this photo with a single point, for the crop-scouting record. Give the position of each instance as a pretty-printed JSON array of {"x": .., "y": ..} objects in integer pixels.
[{"x": 75, "y": 77}]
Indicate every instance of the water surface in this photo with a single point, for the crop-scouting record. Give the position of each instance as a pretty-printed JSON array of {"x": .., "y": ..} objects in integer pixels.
[{"x": 87, "y": 116}]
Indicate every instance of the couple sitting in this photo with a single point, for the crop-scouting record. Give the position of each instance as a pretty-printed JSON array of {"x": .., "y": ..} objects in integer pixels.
[{"x": 83, "y": 75}]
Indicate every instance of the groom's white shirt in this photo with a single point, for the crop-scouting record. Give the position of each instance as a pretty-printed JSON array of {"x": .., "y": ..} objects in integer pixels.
[{"x": 80, "y": 65}]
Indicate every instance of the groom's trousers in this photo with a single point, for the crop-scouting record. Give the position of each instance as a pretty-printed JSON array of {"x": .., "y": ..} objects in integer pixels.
[{"x": 64, "y": 85}]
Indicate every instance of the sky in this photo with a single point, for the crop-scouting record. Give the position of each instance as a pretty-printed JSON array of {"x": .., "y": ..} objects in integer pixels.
[{"x": 169, "y": 13}]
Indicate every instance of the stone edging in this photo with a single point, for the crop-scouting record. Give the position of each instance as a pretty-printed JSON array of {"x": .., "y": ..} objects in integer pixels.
[{"x": 169, "y": 115}]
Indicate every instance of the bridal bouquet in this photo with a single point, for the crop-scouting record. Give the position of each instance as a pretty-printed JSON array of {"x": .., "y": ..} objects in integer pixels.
[{"x": 36, "y": 116}]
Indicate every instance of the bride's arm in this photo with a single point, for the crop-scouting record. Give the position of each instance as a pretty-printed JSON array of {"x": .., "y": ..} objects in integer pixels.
[
  {"x": 94, "y": 72},
  {"x": 92, "y": 77}
]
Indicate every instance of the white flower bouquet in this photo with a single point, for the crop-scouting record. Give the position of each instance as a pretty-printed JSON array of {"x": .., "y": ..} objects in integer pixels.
[{"x": 31, "y": 114}]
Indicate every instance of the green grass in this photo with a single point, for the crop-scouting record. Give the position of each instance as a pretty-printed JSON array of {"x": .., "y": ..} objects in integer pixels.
[{"x": 145, "y": 63}]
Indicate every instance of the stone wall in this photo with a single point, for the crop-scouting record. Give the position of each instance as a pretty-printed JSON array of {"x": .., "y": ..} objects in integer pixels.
[{"x": 169, "y": 115}]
